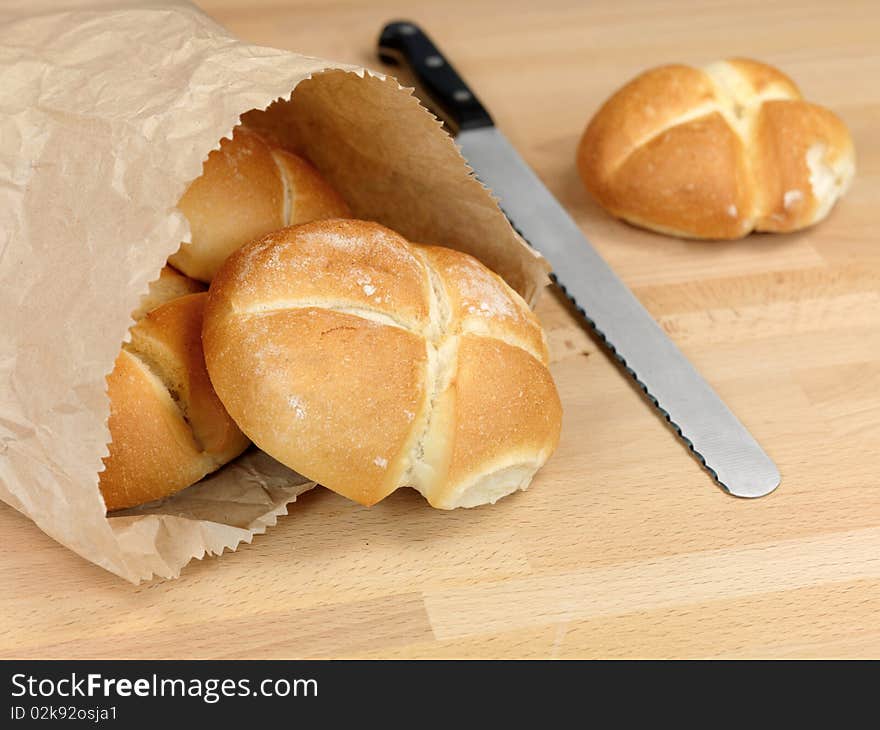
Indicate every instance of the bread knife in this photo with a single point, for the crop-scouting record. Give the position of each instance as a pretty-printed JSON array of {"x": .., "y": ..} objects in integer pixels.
[{"x": 706, "y": 425}]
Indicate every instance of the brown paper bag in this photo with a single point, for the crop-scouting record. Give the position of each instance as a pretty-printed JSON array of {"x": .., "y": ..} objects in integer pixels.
[{"x": 108, "y": 111}]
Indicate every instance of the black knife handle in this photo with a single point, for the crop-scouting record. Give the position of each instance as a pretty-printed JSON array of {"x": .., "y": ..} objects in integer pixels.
[{"x": 403, "y": 42}]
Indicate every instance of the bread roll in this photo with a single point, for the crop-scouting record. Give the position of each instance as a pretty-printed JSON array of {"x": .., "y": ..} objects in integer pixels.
[
  {"x": 247, "y": 188},
  {"x": 715, "y": 152},
  {"x": 169, "y": 285},
  {"x": 167, "y": 427},
  {"x": 367, "y": 363}
]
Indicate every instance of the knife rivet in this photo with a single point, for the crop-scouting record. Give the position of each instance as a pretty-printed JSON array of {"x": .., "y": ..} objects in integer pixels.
[
  {"x": 461, "y": 95},
  {"x": 433, "y": 61}
]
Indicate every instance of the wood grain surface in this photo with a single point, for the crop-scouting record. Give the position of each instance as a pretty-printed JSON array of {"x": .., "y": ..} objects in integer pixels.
[{"x": 622, "y": 547}]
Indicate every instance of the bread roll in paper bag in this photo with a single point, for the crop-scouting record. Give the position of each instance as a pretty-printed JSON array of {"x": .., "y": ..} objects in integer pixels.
[{"x": 108, "y": 111}]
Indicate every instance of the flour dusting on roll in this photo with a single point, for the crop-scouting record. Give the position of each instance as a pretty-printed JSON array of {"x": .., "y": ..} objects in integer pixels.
[{"x": 368, "y": 363}]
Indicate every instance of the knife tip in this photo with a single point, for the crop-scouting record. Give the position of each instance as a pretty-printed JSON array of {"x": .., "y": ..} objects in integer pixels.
[{"x": 758, "y": 483}]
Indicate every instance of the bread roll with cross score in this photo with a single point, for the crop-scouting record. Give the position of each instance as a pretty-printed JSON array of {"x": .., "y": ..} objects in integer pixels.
[
  {"x": 715, "y": 152},
  {"x": 168, "y": 429},
  {"x": 248, "y": 188},
  {"x": 367, "y": 363}
]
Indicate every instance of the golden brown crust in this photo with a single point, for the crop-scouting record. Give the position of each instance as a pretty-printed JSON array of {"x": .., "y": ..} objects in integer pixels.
[
  {"x": 248, "y": 188},
  {"x": 497, "y": 418},
  {"x": 152, "y": 447},
  {"x": 292, "y": 379},
  {"x": 705, "y": 150},
  {"x": 786, "y": 145},
  {"x": 238, "y": 197},
  {"x": 705, "y": 153},
  {"x": 168, "y": 428},
  {"x": 310, "y": 197},
  {"x": 350, "y": 263},
  {"x": 635, "y": 114},
  {"x": 335, "y": 346}
]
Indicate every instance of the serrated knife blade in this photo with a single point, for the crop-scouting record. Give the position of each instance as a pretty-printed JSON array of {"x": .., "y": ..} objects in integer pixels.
[{"x": 712, "y": 432}]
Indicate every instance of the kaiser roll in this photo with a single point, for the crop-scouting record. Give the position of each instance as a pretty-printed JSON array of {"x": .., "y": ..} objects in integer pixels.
[
  {"x": 367, "y": 363},
  {"x": 247, "y": 188},
  {"x": 715, "y": 152},
  {"x": 167, "y": 427}
]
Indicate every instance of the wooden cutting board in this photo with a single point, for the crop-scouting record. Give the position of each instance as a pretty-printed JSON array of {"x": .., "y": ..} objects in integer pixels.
[{"x": 623, "y": 546}]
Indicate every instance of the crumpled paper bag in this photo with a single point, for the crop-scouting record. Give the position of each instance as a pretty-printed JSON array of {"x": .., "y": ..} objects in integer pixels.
[{"x": 107, "y": 111}]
